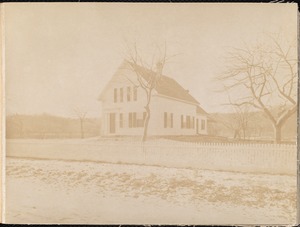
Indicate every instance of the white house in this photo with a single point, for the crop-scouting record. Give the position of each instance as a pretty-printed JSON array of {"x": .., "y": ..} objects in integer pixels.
[{"x": 173, "y": 110}]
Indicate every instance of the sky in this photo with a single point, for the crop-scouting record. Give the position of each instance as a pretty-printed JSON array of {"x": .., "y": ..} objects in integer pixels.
[{"x": 59, "y": 56}]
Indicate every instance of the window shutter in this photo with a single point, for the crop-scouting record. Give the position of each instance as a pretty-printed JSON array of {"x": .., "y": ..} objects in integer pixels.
[
  {"x": 115, "y": 95},
  {"x": 134, "y": 120},
  {"x": 165, "y": 119},
  {"x": 121, "y": 120},
  {"x": 128, "y": 94},
  {"x": 121, "y": 94},
  {"x": 134, "y": 93},
  {"x": 182, "y": 121},
  {"x": 130, "y": 120}
]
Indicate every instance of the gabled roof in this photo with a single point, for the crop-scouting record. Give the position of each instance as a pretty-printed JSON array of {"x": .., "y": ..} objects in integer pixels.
[
  {"x": 199, "y": 110},
  {"x": 166, "y": 86}
]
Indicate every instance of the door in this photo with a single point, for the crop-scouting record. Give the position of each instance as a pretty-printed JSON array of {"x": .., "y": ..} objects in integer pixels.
[
  {"x": 197, "y": 126},
  {"x": 112, "y": 123}
]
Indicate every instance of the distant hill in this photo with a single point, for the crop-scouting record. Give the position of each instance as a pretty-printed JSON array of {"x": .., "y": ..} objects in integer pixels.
[
  {"x": 223, "y": 125},
  {"x": 258, "y": 126},
  {"x": 46, "y": 126}
]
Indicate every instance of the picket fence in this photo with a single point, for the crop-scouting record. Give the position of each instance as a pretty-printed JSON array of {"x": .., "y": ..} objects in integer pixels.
[{"x": 252, "y": 158}]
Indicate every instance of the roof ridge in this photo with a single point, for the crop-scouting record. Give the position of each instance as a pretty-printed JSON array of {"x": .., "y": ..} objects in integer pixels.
[{"x": 171, "y": 87}]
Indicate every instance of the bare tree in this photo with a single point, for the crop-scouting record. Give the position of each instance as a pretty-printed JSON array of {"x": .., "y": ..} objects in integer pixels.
[
  {"x": 242, "y": 118},
  {"x": 237, "y": 122},
  {"x": 148, "y": 84},
  {"x": 81, "y": 115},
  {"x": 231, "y": 125},
  {"x": 264, "y": 77}
]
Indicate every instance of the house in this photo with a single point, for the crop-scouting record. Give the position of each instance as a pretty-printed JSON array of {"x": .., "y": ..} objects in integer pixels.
[{"x": 174, "y": 111}]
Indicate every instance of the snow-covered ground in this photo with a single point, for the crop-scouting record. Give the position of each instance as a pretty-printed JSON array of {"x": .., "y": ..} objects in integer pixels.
[{"x": 53, "y": 191}]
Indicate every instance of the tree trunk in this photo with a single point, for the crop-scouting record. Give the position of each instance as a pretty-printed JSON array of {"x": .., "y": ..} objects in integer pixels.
[
  {"x": 281, "y": 121},
  {"x": 244, "y": 133},
  {"x": 237, "y": 134},
  {"x": 146, "y": 123},
  {"x": 277, "y": 129}
]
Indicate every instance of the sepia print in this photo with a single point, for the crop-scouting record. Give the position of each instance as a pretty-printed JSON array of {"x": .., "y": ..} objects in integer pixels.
[{"x": 127, "y": 113}]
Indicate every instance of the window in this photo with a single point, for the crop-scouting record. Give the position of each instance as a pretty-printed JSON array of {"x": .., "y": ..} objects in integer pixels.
[
  {"x": 168, "y": 120},
  {"x": 165, "y": 119},
  {"x": 112, "y": 122},
  {"x": 121, "y": 120},
  {"x": 140, "y": 123},
  {"x": 121, "y": 94},
  {"x": 134, "y": 123},
  {"x": 193, "y": 122},
  {"x": 140, "y": 120},
  {"x": 115, "y": 95},
  {"x": 182, "y": 123},
  {"x": 128, "y": 94},
  {"x": 188, "y": 121},
  {"x": 130, "y": 120},
  {"x": 135, "y": 93},
  {"x": 202, "y": 124},
  {"x": 136, "y": 120}
]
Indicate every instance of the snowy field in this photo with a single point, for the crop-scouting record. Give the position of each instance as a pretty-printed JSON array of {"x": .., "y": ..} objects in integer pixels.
[
  {"x": 61, "y": 191},
  {"x": 49, "y": 191}
]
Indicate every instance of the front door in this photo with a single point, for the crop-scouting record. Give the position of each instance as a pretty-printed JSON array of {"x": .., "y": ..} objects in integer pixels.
[{"x": 112, "y": 123}]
